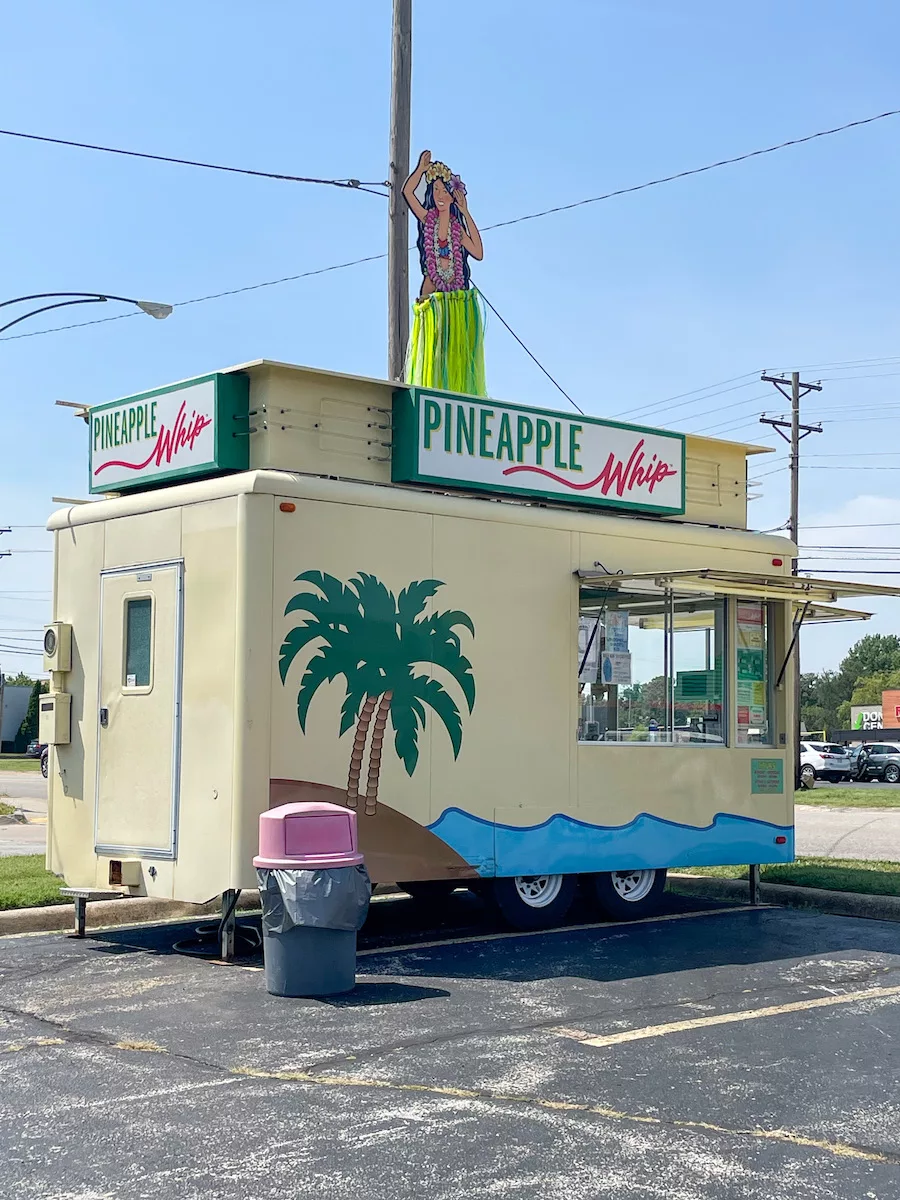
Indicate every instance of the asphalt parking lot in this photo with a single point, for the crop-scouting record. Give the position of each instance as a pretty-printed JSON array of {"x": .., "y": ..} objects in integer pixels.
[{"x": 718, "y": 1052}]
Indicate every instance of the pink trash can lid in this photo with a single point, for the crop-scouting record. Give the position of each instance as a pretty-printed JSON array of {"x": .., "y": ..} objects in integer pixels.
[{"x": 309, "y": 835}]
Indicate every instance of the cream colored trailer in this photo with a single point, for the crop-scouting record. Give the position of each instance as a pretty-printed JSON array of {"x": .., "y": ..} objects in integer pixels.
[{"x": 312, "y": 628}]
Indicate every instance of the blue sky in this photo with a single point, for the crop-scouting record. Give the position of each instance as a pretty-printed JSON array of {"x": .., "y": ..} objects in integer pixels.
[{"x": 788, "y": 260}]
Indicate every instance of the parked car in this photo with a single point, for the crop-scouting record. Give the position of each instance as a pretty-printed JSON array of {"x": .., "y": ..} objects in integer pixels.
[
  {"x": 879, "y": 760},
  {"x": 45, "y": 760},
  {"x": 824, "y": 760},
  {"x": 34, "y": 749}
]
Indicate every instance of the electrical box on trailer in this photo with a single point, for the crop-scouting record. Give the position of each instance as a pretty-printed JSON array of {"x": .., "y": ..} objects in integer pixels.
[
  {"x": 58, "y": 647},
  {"x": 55, "y": 719}
]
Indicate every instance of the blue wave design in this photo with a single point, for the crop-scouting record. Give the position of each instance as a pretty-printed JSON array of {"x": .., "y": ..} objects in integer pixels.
[{"x": 567, "y": 845}]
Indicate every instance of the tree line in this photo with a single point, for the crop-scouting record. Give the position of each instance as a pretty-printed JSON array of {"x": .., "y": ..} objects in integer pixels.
[{"x": 869, "y": 668}]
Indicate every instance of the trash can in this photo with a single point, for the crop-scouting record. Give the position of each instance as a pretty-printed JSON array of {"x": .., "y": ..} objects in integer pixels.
[{"x": 315, "y": 894}]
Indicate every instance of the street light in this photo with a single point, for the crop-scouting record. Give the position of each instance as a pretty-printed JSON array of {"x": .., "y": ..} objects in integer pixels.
[{"x": 150, "y": 307}]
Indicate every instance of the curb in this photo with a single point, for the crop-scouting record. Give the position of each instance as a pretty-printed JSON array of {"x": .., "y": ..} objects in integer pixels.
[
  {"x": 105, "y": 914},
  {"x": 130, "y": 910},
  {"x": 843, "y": 904}
]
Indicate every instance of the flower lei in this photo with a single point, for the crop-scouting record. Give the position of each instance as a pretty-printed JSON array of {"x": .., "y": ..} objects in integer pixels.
[{"x": 444, "y": 285}]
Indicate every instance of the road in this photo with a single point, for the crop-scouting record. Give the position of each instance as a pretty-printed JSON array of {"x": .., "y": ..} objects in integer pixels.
[
  {"x": 27, "y": 791},
  {"x": 871, "y": 833}
]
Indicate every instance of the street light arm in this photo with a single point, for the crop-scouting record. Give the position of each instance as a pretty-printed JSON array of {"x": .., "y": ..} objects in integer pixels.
[
  {"x": 46, "y": 308},
  {"x": 53, "y": 295}
]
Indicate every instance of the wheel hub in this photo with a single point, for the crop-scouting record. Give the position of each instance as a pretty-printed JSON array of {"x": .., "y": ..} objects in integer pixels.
[
  {"x": 633, "y": 885},
  {"x": 537, "y": 891}
]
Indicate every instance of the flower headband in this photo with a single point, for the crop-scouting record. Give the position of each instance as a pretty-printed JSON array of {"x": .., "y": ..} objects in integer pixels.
[{"x": 439, "y": 170}]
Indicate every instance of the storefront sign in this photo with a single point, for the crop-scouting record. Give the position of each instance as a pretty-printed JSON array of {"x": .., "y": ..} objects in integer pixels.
[
  {"x": 588, "y": 649},
  {"x": 867, "y": 716},
  {"x": 195, "y": 428},
  {"x": 617, "y": 631},
  {"x": 615, "y": 667},
  {"x": 766, "y": 777},
  {"x": 480, "y": 445}
]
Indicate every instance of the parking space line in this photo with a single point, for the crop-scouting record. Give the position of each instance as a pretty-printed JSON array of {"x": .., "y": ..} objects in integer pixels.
[
  {"x": 528, "y": 933},
  {"x": 750, "y": 1014},
  {"x": 786, "y": 1136}
]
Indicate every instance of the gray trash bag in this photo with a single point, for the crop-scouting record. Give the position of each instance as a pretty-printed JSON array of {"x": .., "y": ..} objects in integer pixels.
[{"x": 327, "y": 898}]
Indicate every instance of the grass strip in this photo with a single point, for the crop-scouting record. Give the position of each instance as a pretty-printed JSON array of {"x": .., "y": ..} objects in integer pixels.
[
  {"x": 17, "y": 762},
  {"x": 849, "y": 797},
  {"x": 25, "y": 882},
  {"x": 834, "y": 874}
]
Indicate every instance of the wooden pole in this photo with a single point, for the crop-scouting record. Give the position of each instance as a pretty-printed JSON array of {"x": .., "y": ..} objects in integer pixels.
[{"x": 398, "y": 221}]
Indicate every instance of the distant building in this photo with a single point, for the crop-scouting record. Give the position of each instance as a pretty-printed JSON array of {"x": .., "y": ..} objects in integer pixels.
[
  {"x": 890, "y": 709},
  {"x": 14, "y": 708}
]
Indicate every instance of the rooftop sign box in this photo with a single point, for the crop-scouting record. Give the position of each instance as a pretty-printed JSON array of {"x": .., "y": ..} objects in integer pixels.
[
  {"x": 176, "y": 433},
  {"x": 483, "y": 445}
]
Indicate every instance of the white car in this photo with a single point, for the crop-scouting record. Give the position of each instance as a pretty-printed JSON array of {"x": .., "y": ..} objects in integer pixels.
[{"x": 824, "y": 760}]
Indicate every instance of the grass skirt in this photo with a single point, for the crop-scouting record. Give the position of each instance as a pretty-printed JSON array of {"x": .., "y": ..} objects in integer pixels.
[{"x": 446, "y": 349}]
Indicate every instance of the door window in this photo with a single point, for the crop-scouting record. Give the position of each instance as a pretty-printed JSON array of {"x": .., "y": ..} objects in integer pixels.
[{"x": 138, "y": 642}]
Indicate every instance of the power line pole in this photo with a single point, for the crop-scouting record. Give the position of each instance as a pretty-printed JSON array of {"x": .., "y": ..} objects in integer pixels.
[
  {"x": 798, "y": 432},
  {"x": 398, "y": 221}
]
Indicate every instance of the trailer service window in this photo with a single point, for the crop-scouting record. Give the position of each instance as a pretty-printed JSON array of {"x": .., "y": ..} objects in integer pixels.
[{"x": 652, "y": 667}]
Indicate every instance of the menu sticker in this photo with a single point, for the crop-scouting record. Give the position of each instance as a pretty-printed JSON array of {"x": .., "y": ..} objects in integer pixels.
[{"x": 766, "y": 777}]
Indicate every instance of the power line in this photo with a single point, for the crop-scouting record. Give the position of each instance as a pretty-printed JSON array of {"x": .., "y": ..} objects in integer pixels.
[
  {"x": 251, "y": 287},
  {"x": 751, "y": 377},
  {"x": 496, "y": 225},
  {"x": 723, "y": 162},
  {"x": 866, "y": 525},
  {"x": 354, "y": 184},
  {"x": 533, "y": 357},
  {"x": 720, "y": 408}
]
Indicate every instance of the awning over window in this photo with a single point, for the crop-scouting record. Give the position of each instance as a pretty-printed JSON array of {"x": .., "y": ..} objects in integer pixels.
[
  {"x": 749, "y": 584},
  {"x": 820, "y": 614},
  {"x": 815, "y": 614}
]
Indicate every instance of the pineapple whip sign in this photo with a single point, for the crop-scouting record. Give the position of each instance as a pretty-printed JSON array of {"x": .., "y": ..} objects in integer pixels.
[
  {"x": 486, "y": 446},
  {"x": 170, "y": 434}
]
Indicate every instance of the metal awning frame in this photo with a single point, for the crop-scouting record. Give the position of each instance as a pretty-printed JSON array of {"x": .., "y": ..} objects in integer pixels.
[{"x": 750, "y": 584}]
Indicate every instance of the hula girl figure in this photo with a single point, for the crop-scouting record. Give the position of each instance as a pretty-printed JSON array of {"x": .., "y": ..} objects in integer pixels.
[{"x": 446, "y": 349}]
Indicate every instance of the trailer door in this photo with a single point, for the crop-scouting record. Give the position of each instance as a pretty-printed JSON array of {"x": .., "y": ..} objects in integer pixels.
[{"x": 139, "y": 720}]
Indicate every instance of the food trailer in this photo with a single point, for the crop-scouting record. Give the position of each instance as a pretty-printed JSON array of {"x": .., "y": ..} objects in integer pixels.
[{"x": 528, "y": 647}]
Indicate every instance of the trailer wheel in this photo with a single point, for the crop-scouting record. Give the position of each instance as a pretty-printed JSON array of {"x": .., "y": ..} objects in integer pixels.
[
  {"x": 627, "y": 895},
  {"x": 534, "y": 901},
  {"x": 430, "y": 891}
]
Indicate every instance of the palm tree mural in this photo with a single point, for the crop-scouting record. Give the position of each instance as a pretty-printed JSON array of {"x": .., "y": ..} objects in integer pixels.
[{"x": 375, "y": 641}]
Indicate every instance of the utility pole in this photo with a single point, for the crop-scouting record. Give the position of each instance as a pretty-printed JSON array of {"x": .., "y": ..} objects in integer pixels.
[
  {"x": 398, "y": 221},
  {"x": 797, "y": 433}
]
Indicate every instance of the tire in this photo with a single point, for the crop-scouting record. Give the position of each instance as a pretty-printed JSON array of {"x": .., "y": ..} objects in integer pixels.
[
  {"x": 807, "y": 776},
  {"x": 430, "y": 891},
  {"x": 892, "y": 773},
  {"x": 44, "y": 764},
  {"x": 534, "y": 901},
  {"x": 627, "y": 895}
]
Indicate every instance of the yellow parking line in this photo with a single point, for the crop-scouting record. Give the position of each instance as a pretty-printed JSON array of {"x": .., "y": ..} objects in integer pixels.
[
  {"x": 496, "y": 937},
  {"x": 839, "y": 1149},
  {"x": 750, "y": 1014}
]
